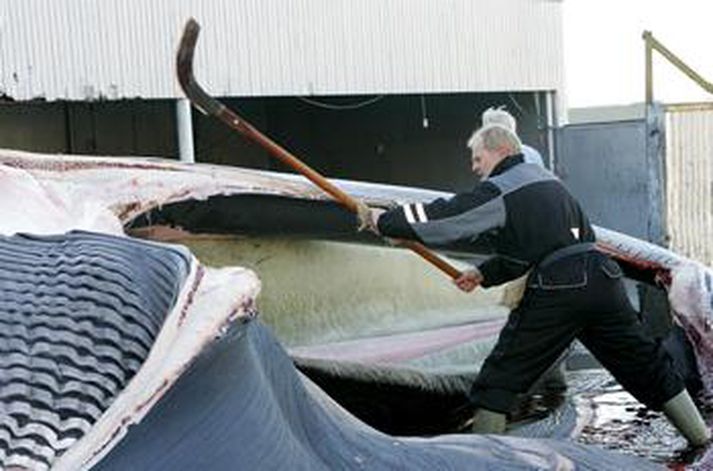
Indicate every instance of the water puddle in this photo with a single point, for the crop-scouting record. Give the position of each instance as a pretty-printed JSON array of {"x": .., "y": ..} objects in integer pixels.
[{"x": 619, "y": 422}]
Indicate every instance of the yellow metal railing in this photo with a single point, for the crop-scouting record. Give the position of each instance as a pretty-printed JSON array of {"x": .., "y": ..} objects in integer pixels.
[{"x": 653, "y": 44}]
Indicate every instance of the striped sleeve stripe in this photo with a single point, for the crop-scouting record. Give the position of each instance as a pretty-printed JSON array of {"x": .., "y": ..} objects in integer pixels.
[
  {"x": 409, "y": 214},
  {"x": 421, "y": 212}
]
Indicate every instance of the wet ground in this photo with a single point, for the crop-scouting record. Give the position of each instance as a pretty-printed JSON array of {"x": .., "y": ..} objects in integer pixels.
[{"x": 618, "y": 422}]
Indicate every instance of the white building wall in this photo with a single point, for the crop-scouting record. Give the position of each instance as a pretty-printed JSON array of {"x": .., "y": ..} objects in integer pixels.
[{"x": 87, "y": 49}]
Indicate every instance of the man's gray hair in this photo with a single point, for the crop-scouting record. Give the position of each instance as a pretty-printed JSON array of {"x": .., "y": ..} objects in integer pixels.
[
  {"x": 495, "y": 136},
  {"x": 499, "y": 116}
]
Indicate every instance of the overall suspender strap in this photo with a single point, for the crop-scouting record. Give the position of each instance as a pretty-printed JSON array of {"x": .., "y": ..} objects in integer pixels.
[{"x": 565, "y": 252}]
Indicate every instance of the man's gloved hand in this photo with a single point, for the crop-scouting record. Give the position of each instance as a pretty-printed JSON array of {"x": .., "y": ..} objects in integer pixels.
[
  {"x": 367, "y": 217},
  {"x": 469, "y": 280}
]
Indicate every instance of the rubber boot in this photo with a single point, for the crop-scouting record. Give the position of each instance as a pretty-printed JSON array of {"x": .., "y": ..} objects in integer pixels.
[
  {"x": 487, "y": 421},
  {"x": 683, "y": 414}
]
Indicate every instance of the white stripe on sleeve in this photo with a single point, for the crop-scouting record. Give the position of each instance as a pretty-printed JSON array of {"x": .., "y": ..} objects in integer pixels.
[
  {"x": 409, "y": 214},
  {"x": 421, "y": 213}
]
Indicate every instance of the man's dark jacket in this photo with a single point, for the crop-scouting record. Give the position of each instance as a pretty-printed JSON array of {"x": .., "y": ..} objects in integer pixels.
[{"x": 522, "y": 211}]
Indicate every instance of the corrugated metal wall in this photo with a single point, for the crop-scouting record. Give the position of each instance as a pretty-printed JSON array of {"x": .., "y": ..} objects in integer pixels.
[
  {"x": 86, "y": 49},
  {"x": 689, "y": 180}
]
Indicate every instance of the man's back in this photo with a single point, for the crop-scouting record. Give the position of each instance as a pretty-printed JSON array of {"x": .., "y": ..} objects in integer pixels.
[{"x": 542, "y": 216}]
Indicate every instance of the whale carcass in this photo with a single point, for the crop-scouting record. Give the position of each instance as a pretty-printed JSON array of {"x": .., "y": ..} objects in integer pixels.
[{"x": 122, "y": 349}]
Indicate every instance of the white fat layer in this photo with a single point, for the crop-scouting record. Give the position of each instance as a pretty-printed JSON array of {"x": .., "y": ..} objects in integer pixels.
[{"x": 36, "y": 207}]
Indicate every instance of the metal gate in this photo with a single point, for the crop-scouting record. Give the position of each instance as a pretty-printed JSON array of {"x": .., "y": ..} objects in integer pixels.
[{"x": 605, "y": 165}]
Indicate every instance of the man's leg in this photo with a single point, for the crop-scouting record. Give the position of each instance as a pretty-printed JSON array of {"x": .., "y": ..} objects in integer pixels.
[
  {"x": 642, "y": 366},
  {"x": 536, "y": 334},
  {"x": 644, "y": 369},
  {"x": 553, "y": 379}
]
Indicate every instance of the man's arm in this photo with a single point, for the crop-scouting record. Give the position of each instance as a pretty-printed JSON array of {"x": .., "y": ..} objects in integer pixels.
[
  {"x": 497, "y": 270},
  {"x": 445, "y": 221},
  {"x": 396, "y": 224}
]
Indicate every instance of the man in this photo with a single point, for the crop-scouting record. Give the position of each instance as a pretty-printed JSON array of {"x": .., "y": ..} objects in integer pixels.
[
  {"x": 573, "y": 291},
  {"x": 503, "y": 118}
]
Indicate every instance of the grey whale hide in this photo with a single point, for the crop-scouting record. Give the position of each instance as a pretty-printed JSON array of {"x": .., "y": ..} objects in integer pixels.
[
  {"x": 79, "y": 314},
  {"x": 243, "y": 405}
]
